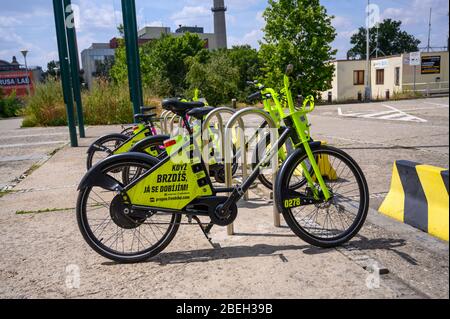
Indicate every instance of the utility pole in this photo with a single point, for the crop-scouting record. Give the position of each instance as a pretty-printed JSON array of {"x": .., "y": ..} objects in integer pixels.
[
  {"x": 429, "y": 32},
  {"x": 378, "y": 34},
  {"x": 74, "y": 65},
  {"x": 368, "y": 84},
  {"x": 65, "y": 69},
  {"x": 132, "y": 50}
]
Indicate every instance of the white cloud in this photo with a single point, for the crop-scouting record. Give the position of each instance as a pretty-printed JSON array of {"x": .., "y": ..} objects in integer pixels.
[
  {"x": 6, "y": 21},
  {"x": 252, "y": 38},
  {"x": 192, "y": 15},
  {"x": 340, "y": 22},
  {"x": 93, "y": 15}
]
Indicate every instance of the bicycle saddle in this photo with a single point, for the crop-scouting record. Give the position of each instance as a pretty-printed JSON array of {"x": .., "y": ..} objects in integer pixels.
[
  {"x": 144, "y": 117},
  {"x": 146, "y": 109},
  {"x": 200, "y": 112},
  {"x": 180, "y": 108}
]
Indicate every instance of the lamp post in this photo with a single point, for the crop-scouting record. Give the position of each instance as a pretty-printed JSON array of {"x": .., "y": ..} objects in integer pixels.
[{"x": 25, "y": 53}]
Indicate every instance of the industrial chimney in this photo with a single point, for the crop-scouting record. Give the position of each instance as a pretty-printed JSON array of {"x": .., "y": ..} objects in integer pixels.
[{"x": 220, "y": 27}]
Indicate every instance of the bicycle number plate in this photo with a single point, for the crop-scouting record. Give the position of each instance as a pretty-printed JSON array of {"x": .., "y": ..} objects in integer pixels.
[{"x": 292, "y": 202}]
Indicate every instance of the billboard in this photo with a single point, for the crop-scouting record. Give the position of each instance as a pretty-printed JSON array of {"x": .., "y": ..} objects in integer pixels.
[
  {"x": 431, "y": 65},
  {"x": 16, "y": 81}
]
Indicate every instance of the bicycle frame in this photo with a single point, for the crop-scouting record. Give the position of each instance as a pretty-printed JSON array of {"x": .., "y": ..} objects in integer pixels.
[
  {"x": 141, "y": 132},
  {"x": 181, "y": 179}
]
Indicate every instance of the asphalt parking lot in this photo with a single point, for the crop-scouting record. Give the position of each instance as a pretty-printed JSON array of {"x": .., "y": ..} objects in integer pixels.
[
  {"x": 377, "y": 134},
  {"x": 43, "y": 247}
]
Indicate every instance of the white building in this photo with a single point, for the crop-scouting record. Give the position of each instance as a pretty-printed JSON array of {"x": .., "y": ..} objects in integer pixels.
[{"x": 390, "y": 75}]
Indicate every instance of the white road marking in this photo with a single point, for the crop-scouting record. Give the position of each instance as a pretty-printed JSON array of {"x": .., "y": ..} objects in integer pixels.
[
  {"x": 407, "y": 116},
  {"x": 33, "y": 144},
  {"x": 32, "y": 135},
  {"x": 393, "y": 115},
  {"x": 378, "y": 114}
]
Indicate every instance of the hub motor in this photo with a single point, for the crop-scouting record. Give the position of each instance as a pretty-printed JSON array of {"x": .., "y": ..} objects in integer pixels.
[
  {"x": 221, "y": 217},
  {"x": 121, "y": 214}
]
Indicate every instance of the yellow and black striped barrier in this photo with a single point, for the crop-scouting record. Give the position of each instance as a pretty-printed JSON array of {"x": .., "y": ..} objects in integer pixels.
[{"x": 419, "y": 197}]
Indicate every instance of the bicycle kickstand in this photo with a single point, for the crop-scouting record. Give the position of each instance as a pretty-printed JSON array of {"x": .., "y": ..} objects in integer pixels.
[{"x": 206, "y": 230}]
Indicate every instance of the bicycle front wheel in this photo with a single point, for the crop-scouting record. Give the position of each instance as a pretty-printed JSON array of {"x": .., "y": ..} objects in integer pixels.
[{"x": 326, "y": 223}]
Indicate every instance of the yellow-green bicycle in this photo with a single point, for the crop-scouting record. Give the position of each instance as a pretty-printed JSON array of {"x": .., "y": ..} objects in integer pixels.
[{"x": 134, "y": 220}]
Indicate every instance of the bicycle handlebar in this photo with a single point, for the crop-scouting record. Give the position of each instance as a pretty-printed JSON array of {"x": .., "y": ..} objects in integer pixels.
[
  {"x": 311, "y": 101},
  {"x": 255, "y": 96}
]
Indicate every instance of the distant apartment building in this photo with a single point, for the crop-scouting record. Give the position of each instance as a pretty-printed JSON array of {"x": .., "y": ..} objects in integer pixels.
[
  {"x": 98, "y": 52},
  {"x": 154, "y": 33},
  {"x": 14, "y": 77},
  {"x": 390, "y": 75}
]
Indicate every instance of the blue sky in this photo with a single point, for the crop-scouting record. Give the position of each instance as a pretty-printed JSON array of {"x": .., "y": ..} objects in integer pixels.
[{"x": 29, "y": 23}]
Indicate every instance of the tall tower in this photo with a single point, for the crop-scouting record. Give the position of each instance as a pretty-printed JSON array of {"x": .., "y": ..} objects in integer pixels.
[{"x": 220, "y": 26}]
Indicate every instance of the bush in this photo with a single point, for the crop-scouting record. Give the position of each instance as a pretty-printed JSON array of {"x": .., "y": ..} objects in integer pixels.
[
  {"x": 9, "y": 105},
  {"x": 104, "y": 104},
  {"x": 107, "y": 104},
  {"x": 46, "y": 106}
]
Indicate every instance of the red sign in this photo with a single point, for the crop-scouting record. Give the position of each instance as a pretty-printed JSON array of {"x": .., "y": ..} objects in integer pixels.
[{"x": 16, "y": 81}]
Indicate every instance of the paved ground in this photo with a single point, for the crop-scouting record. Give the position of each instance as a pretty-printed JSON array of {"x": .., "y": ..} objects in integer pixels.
[
  {"x": 21, "y": 148},
  {"x": 377, "y": 134},
  {"x": 41, "y": 253}
]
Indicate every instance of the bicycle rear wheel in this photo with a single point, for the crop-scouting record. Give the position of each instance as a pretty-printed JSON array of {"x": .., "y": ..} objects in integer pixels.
[
  {"x": 327, "y": 223},
  {"x": 113, "y": 229},
  {"x": 104, "y": 148}
]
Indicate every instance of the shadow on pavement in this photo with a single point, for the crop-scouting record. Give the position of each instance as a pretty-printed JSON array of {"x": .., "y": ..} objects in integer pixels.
[
  {"x": 206, "y": 255},
  {"x": 387, "y": 244},
  {"x": 264, "y": 250}
]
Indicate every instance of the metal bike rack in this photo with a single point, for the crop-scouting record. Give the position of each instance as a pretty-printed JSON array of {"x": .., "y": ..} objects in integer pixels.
[
  {"x": 237, "y": 118},
  {"x": 217, "y": 113},
  {"x": 172, "y": 122},
  {"x": 165, "y": 121},
  {"x": 205, "y": 137},
  {"x": 162, "y": 121}
]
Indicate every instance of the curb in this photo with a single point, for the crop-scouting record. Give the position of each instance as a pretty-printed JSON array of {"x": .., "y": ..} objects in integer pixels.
[{"x": 419, "y": 196}]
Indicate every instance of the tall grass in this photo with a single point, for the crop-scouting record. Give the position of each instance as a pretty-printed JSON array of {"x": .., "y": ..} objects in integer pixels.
[
  {"x": 46, "y": 106},
  {"x": 107, "y": 104},
  {"x": 104, "y": 104}
]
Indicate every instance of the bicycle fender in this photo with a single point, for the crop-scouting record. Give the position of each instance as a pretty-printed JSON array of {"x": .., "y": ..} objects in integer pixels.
[
  {"x": 99, "y": 141},
  {"x": 96, "y": 177},
  {"x": 141, "y": 146},
  {"x": 284, "y": 171}
]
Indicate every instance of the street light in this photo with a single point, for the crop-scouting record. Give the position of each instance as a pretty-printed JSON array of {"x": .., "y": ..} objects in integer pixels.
[{"x": 24, "y": 53}]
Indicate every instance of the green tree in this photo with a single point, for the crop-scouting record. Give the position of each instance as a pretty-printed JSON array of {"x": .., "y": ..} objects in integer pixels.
[
  {"x": 391, "y": 40},
  {"x": 246, "y": 59},
  {"x": 298, "y": 32},
  {"x": 52, "y": 69},
  {"x": 103, "y": 68},
  {"x": 215, "y": 76},
  {"x": 163, "y": 63}
]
